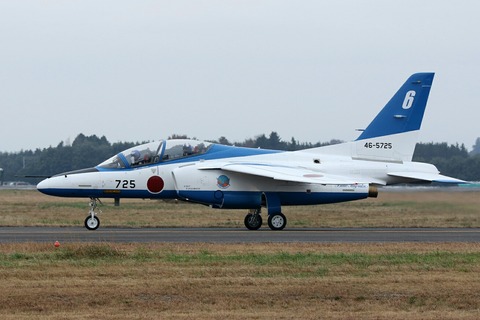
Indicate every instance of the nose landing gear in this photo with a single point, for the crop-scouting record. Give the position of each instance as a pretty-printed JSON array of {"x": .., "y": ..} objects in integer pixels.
[{"x": 92, "y": 222}]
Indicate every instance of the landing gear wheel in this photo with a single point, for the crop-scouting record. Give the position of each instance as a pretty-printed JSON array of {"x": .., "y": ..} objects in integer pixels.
[
  {"x": 253, "y": 221},
  {"x": 92, "y": 223},
  {"x": 277, "y": 221}
]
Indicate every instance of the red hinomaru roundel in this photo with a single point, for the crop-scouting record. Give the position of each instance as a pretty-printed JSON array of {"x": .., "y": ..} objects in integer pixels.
[{"x": 155, "y": 184}]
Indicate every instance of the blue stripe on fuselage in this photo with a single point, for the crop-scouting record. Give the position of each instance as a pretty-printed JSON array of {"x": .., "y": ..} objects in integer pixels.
[
  {"x": 109, "y": 193},
  {"x": 205, "y": 197},
  {"x": 285, "y": 198}
]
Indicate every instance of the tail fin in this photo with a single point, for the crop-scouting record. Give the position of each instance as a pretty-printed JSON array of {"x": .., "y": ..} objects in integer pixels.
[{"x": 392, "y": 135}]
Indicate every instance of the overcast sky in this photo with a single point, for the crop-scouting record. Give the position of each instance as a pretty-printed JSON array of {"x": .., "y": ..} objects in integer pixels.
[{"x": 312, "y": 70}]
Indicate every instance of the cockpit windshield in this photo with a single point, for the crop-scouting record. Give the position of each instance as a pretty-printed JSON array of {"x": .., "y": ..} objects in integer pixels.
[
  {"x": 176, "y": 149},
  {"x": 139, "y": 155},
  {"x": 154, "y": 152}
]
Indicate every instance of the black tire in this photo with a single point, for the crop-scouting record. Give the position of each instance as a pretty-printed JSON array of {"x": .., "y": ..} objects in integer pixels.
[
  {"x": 277, "y": 221},
  {"x": 92, "y": 224},
  {"x": 253, "y": 221}
]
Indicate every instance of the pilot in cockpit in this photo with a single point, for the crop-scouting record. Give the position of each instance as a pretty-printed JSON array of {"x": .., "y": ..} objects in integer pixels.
[
  {"x": 187, "y": 150},
  {"x": 139, "y": 158},
  {"x": 134, "y": 157}
]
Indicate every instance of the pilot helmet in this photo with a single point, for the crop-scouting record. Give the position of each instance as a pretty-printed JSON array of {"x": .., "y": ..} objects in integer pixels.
[{"x": 135, "y": 154}]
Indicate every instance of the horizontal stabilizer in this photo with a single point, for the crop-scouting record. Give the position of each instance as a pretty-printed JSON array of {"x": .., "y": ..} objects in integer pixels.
[{"x": 426, "y": 176}]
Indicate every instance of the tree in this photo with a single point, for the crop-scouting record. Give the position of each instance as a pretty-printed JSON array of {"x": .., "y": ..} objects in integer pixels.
[
  {"x": 89, "y": 151},
  {"x": 476, "y": 147},
  {"x": 275, "y": 142},
  {"x": 224, "y": 141},
  {"x": 425, "y": 152},
  {"x": 262, "y": 142},
  {"x": 292, "y": 146},
  {"x": 178, "y": 136}
]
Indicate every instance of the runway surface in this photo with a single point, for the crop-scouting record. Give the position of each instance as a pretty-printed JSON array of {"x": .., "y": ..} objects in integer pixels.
[{"x": 228, "y": 235}]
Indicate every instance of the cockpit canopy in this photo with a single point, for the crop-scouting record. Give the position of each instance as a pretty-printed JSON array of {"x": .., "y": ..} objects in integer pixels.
[{"x": 155, "y": 152}]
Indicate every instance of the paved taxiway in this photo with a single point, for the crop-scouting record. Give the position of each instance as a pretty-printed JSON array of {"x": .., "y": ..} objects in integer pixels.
[{"x": 221, "y": 235}]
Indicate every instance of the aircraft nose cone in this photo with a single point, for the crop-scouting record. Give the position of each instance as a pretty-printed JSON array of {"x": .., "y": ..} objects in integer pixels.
[
  {"x": 79, "y": 183},
  {"x": 51, "y": 186},
  {"x": 43, "y": 186}
]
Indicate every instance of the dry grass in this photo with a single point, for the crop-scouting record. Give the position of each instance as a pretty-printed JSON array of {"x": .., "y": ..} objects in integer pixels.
[
  {"x": 255, "y": 281},
  {"x": 391, "y": 209},
  {"x": 242, "y": 281}
]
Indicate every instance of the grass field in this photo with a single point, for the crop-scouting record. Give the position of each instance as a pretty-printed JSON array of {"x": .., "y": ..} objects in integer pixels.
[
  {"x": 242, "y": 281},
  {"x": 390, "y": 209}
]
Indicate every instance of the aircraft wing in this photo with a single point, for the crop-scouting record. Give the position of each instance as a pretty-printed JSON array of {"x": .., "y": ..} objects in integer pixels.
[
  {"x": 284, "y": 173},
  {"x": 426, "y": 176}
]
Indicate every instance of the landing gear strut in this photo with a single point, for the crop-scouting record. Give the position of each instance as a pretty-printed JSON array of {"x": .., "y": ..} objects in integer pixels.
[
  {"x": 253, "y": 220},
  {"x": 92, "y": 222}
]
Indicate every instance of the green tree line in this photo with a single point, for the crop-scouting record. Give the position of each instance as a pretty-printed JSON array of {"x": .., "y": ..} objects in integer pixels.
[{"x": 89, "y": 151}]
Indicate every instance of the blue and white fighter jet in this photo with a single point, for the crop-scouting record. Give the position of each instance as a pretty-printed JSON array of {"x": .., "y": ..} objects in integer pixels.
[{"x": 231, "y": 177}]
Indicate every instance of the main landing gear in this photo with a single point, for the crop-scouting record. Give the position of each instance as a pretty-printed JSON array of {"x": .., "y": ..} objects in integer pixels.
[
  {"x": 277, "y": 221},
  {"x": 92, "y": 222},
  {"x": 253, "y": 220}
]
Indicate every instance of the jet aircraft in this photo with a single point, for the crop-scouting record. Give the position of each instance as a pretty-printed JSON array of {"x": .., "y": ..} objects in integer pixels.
[{"x": 230, "y": 177}]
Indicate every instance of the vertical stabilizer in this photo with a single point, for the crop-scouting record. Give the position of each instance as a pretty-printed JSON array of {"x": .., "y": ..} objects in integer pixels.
[{"x": 392, "y": 135}]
